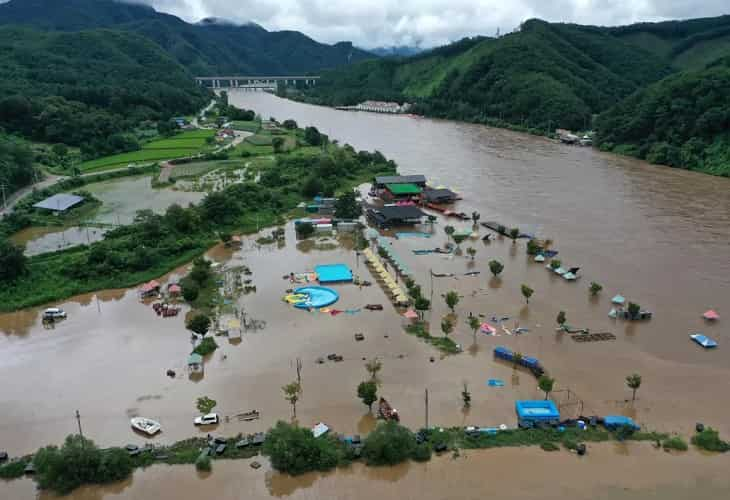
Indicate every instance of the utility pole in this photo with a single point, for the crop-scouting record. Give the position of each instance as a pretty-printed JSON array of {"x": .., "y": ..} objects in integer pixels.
[
  {"x": 426, "y": 402},
  {"x": 78, "y": 421},
  {"x": 299, "y": 371}
]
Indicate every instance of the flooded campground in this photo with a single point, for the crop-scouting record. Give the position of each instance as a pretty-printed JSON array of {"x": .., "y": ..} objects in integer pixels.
[{"x": 649, "y": 233}]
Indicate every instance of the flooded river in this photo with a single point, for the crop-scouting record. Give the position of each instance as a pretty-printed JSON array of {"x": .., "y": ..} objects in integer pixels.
[{"x": 659, "y": 236}]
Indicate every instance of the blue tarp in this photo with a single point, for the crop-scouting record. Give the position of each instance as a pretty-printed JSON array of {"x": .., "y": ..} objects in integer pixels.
[
  {"x": 333, "y": 273},
  {"x": 616, "y": 421},
  {"x": 495, "y": 382}
]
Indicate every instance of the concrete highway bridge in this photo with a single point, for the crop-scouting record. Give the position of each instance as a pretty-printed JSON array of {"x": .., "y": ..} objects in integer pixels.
[{"x": 254, "y": 82}]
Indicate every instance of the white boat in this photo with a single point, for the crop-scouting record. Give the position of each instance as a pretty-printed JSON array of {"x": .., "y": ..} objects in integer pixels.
[{"x": 145, "y": 425}]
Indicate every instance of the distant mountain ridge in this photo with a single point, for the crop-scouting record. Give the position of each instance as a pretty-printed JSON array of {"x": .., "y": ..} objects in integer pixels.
[{"x": 209, "y": 47}]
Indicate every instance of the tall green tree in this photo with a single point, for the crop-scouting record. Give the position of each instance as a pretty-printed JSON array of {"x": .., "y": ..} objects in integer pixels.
[
  {"x": 368, "y": 392},
  {"x": 373, "y": 367},
  {"x": 347, "y": 206},
  {"x": 474, "y": 324},
  {"x": 452, "y": 299},
  {"x": 13, "y": 262},
  {"x": 526, "y": 292},
  {"x": 447, "y": 326}
]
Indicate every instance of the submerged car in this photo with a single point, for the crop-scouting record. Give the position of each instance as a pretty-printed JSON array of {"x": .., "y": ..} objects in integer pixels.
[
  {"x": 54, "y": 313},
  {"x": 209, "y": 419}
]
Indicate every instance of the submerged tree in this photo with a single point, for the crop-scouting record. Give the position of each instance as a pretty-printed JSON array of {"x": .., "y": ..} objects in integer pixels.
[
  {"x": 546, "y": 384},
  {"x": 561, "y": 319},
  {"x": 527, "y": 292},
  {"x": 200, "y": 324},
  {"x": 449, "y": 230},
  {"x": 205, "y": 405},
  {"x": 516, "y": 359},
  {"x": 292, "y": 393},
  {"x": 368, "y": 392},
  {"x": 466, "y": 395},
  {"x": 595, "y": 288},
  {"x": 496, "y": 267},
  {"x": 472, "y": 252},
  {"x": 451, "y": 298},
  {"x": 422, "y": 305},
  {"x": 633, "y": 381},
  {"x": 634, "y": 310},
  {"x": 514, "y": 233},
  {"x": 447, "y": 326},
  {"x": 474, "y": 324},
  {"x": 373, "y": 366}
]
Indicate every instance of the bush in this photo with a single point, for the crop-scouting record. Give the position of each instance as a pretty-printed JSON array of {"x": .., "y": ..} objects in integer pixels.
[
  {"x": 549, "y": 446},
  {"x": 207, "y": 346},
  {"x": 200, "y": 324},
  {"x": 202, "y": 463},
  {"x": 13, "y": 470},
  {"x": 422, "y": 452},
  {"x": 709, "y": 439},
  {"x": 190, "y": 291},
  {"x": 675, "y": 443},
  {"x": 305, "y": 229},
  {"x": 570, "y": 442},
  {"x": 79, "y": 462},
  {"x": 389, "y": 444},
  {"x": 294, "y": 450}
]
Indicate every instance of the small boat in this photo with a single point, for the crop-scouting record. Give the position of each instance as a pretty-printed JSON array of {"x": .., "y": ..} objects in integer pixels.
[
  {"x": 145, "y": 425},
  {"x": 249, "y": 416},
  {"x": 702, "y": 340},
  {"x": 422, "y": 252},
  {"x": 374, "y": 307}
]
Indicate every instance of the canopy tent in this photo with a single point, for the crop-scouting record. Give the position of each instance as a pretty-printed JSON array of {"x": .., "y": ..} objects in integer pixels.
[
  {"x": 174, "y": 289},
  {"x": 410, "y": 314},
  {"x": 539, "y": 258},
  {"x": 711, "y": 315},
  {"x": 618, "y": 299},
  {"x": 149, "y": 287}
]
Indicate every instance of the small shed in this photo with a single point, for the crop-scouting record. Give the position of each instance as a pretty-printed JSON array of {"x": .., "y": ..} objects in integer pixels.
[
  {"x": 195, "y": 363},
  {"x": 59, "y": 203}
]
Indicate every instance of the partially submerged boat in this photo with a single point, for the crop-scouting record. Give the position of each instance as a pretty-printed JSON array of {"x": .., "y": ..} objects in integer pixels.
[
  {"x": 702, "y": 340},
  {"x": 145, "y": 425}
]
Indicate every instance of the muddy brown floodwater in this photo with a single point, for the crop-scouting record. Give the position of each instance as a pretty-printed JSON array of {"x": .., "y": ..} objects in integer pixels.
[{"x": 659, "y": 236}]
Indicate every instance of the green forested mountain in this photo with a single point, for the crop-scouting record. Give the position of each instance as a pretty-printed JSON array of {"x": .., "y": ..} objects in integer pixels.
[
  {"x": 688, "y": 44},
  {"x": 88, "y": 88},
  {"x": 544, "y": 75},
  {"x": 681, "y": 121},
  {"x": 205, "y": 48}
]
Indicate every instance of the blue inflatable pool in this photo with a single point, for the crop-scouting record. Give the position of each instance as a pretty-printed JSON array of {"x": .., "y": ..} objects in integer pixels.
[{"x": 317, "y": 296}]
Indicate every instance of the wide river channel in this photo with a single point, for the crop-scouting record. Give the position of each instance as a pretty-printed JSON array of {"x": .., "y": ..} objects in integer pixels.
[{"x": 656, "y": 235}]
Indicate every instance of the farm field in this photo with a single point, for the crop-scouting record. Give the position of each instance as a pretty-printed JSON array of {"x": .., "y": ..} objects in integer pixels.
[{"x": 184, "y": 144}]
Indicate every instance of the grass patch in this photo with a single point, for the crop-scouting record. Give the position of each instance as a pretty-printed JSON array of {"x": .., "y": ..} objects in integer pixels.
[
  {"x": 443, "y": 344},
  {"x": 549, "y": 446},
  {"x": 675, "y": 443},
  {"x": 252, "y": 126},
  {"x": 259, "y": 140}
]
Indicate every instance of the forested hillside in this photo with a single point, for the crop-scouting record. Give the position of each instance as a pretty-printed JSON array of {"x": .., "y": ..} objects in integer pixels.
[
  {"x": 16, "y": 165},
  {"x": 545, "y": 75},
  {"x": 681, "y": 121},
  {"x": 88, "y": 88},
  {"x": 206, "y": 48},
  {"x": 690, "y": 44}
]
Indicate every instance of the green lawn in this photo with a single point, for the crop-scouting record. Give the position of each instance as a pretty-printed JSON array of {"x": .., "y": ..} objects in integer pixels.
[
  {"x": 181, "y": 145},
  {"x": 252, "y": 126},
  {"x": 259, "y": 140}
]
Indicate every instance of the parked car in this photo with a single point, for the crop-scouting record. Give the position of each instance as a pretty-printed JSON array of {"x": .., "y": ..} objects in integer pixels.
[
  {"x": 54, "y": 313},
  {"x": 209, "y": 419}
]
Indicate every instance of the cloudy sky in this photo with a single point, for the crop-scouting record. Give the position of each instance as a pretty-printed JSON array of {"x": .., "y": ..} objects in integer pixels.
[{"x": 373, "y": 23}]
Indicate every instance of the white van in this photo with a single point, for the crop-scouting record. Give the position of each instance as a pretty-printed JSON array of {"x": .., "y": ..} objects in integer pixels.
[{"x": 54, "y": 313}]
